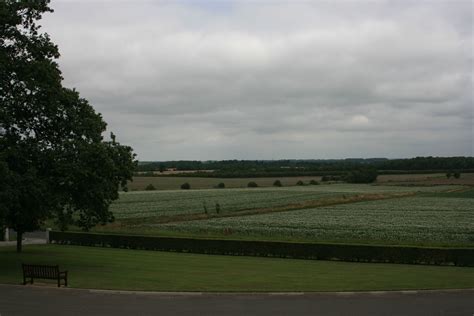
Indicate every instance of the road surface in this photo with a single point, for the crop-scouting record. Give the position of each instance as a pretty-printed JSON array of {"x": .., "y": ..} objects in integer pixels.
[{"x": 47, "y": 300}]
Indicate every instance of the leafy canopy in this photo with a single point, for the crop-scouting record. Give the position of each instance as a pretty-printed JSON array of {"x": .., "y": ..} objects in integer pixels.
[{"x": 54, "y": 161}]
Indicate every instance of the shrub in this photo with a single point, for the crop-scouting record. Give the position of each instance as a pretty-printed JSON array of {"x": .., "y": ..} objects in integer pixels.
[
  {"x": 252, "y": 184},
  {"x": 299, "y": 182},
  {"x": 362, "y": 176},
  {"x": 221, "y": 185},
  {"x": 150, "y": 187},
  {"x": 218, "y": 208},
  {"x": 277, "y": 183},
  {"x": 457, "y": 175},
  {"x": 185, "y": 186},
  {"x": 448, "y": 175},
  {"x": 313, "y": 182}
]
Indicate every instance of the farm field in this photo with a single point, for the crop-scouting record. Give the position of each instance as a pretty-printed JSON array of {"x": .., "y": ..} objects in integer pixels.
[
  {"x": 173, "y": 183},
  {"x": 425, "y": 179},
  {"x": 178, "y": 202},
  {"x": 437, "y": 215},
  {"x": 121, "y": 269},
  {"x": 413, "y": 220}
]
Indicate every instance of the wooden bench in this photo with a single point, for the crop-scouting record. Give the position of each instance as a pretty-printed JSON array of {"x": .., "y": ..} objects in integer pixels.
[{"x": 32, "y": 271}]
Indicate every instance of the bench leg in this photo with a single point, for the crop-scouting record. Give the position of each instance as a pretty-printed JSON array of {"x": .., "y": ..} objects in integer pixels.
[
  {"x": 59, "y": 282},
  {"x": 31, "y": 280},
  {"x": 24, "y": 280}
]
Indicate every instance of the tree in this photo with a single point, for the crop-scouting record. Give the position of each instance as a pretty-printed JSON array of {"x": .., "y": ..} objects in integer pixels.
[
  {"x": 54, "y": 161},
  {"x": 362, "y": 176},
  {"x": 185, "y": 186},
  {"x": 162, "y": 168},
  {"x": 150, "y": 187}
]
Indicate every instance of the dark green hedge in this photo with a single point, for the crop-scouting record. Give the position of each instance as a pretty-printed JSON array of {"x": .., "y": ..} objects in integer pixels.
[{"x": 355, "y": 253}]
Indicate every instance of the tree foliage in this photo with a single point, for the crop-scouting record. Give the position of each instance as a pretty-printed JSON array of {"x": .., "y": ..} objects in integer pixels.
[
  {"x": 362, "y": 176},
  {"x": 277, "y": 183},
  {"x": 311, "y": 167},
  {"x": 185, "y": 186},
  {"x": 54, "y": 161},
  {"x": 150, "y": 187}
]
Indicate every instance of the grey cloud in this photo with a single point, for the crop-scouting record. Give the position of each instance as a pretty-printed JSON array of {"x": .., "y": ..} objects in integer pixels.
[{"x": 274, "y": 80}]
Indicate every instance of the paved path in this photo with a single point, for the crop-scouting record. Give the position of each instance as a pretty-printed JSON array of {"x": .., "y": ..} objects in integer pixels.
[
  {"x": 26, "y": 241},
  {"x": 40, "y": 300}
]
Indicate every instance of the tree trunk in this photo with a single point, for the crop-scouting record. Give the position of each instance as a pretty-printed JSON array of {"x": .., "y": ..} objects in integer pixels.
[{"x": 19, "y": 237}]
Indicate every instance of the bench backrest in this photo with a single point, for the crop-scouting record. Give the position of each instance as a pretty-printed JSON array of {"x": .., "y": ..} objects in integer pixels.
[{"x": 40, "y": 271}]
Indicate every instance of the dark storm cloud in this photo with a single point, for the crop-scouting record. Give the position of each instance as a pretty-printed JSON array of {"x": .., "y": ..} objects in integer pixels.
[{"x": 274, "y": 79}]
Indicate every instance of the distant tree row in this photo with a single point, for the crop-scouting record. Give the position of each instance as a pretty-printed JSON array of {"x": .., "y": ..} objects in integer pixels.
[{"x": 261, "y": 168}]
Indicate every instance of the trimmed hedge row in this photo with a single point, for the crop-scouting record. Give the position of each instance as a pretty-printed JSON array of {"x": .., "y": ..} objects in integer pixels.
[{"x": 353, "y": 253}]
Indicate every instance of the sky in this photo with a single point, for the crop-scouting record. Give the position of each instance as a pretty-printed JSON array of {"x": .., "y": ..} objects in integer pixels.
[{"x": 211, "y": 80}]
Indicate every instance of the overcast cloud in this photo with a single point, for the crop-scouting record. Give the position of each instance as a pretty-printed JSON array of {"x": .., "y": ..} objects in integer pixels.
[{"x": 274, "y": 79}]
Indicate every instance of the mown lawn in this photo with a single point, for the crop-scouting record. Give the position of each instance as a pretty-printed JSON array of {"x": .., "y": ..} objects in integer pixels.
[{"x": 106, "y": 268}]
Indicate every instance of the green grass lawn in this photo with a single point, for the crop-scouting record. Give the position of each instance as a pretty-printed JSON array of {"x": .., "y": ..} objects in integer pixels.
[{"x": 106, "y": 268}]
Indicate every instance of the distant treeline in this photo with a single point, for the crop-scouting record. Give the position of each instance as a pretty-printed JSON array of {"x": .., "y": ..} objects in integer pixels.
[{"x": 281, "y": 168}]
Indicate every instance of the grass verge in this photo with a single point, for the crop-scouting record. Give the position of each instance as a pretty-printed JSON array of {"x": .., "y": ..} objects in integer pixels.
[{"x": 120, "y": 269}]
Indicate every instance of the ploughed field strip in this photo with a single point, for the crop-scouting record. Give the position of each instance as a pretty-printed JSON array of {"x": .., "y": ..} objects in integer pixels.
[{"x": 430, "y": 219}]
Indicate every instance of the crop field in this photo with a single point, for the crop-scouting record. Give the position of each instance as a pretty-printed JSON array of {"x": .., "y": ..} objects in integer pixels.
[
  {"x": 173, "y": 183},
  {"x": 426, "y": 179},
  {"x": 423, "y": 220},
  {"x": 146, "y": 204},
  {"x": 178, "y": 202},
  {"x": 425, "y": 215}
]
